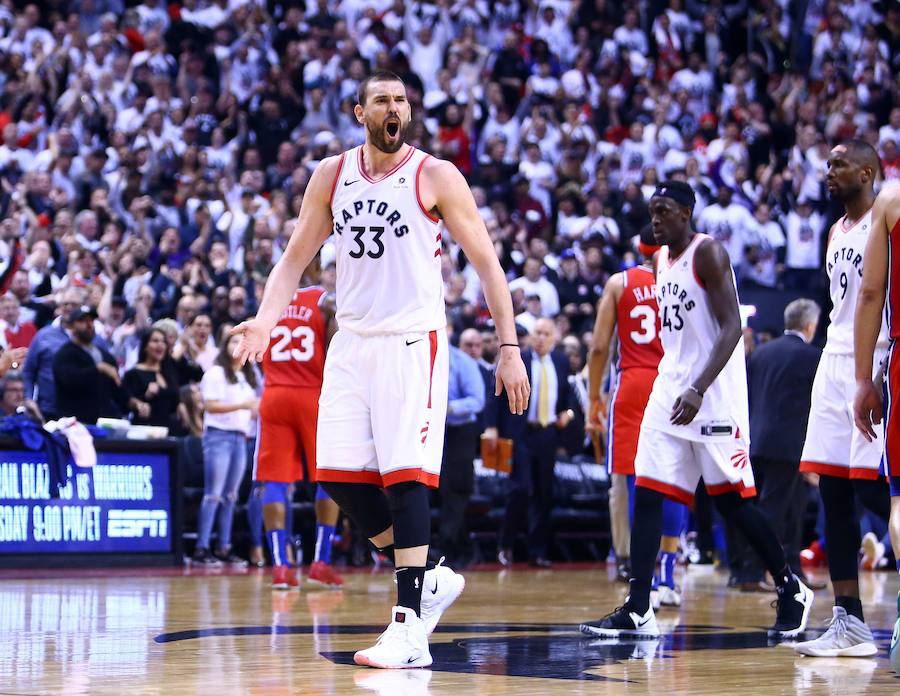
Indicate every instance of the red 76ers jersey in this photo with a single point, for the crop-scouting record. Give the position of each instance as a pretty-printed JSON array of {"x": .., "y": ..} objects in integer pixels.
[
  {"x": 637, "y": 321},
  {"x": 296, "y": 353}
]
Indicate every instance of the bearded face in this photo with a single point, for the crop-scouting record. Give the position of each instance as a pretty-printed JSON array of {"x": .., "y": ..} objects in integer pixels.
[{"x": 386, "y": 115}]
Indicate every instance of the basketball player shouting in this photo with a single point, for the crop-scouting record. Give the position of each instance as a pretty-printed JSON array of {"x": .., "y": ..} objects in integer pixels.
[
  {"x": 629, "y": 308},
  {"x": 384, "y": 396},
  {"x": 288, "y": 412},
  {"x": 847, "y": 464},
  {"x": 881, "y": 278},
  {"x": 696, "y": 422}
]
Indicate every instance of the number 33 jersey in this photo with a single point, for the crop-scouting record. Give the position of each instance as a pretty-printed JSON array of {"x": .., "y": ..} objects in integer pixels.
[
  {"x": 688, "y": 330},
  {"x": 844, "y": 265},
  {"x": 296, "y": 353},
  {"x": 387, "y": 249}
]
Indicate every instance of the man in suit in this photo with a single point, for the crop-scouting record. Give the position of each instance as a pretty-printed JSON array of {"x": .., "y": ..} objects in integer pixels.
[
  {"x": 780, "y": 374},
  {"x": 535, "y": 436}
]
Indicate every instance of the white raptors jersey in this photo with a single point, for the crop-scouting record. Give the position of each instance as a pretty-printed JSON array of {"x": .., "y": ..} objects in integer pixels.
[
  {"x": 388, "y": 250},
  {"x": 688, "y": 332},
  {"x": 844, "y": 264}
]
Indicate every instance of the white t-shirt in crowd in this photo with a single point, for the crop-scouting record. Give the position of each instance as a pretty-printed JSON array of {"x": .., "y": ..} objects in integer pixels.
[
  {"x": 216, "y": 387},
  {"x": 804, "y": 240}
]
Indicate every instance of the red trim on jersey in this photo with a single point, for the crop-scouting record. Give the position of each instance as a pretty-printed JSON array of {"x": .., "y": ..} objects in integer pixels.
[
  {"x": 844, "y": 228},
  {"x": 679, "y": 495},
  {"x": 433, "y": 341},
  {"x": 337, "y": 175},
  {"x": 739, "y": 487},
  {"x": 375, "y": 478},
  {"x": 825, "y": 469},
  {"x": 437, "y": 252},
  {"x": 403, "y": 475},
  {"x": 670, "y": 261},
  {"x": 342, "y": 476},
  {"x": 694, "y": 269},
  {"x": 427, "y": 213},
  {"x": 362, "y": 166}
]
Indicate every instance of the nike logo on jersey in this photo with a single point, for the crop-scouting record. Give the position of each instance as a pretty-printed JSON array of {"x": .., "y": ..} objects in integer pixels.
[
  {"x": 350, "y": 183},
  {"x": 409, "y": 343}
]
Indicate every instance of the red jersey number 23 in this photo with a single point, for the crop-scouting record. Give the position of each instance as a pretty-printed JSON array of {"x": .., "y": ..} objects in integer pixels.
[{"x": 299, "y": 344}]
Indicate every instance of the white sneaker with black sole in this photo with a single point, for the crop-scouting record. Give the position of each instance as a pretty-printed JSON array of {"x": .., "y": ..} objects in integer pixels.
[
  {"x": 403, "y": 645},
  {"x": 624, "y": 623},
  {"x": 669, "y": 596},
  {"x": 441, "y": 587},
  {"x": 846, "y": 636}
]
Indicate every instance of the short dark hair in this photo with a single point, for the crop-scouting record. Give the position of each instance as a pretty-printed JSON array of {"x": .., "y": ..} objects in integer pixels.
[
  {"x": 864, "y": 154},
  {"x": 377, "y": 76}
]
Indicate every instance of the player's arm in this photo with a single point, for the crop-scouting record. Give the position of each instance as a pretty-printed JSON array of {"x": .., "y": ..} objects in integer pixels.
[
  {"x": 869, "y": 308},
  {"x": 443, "y": 186},
  {"x": 312, "y": 228},
  {"x": 598, "y": 359},
  {"x": 713, "y": 269}
]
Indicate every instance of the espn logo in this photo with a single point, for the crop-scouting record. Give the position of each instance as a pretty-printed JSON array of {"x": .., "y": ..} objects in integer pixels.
[{"x": 135, "y": 524}]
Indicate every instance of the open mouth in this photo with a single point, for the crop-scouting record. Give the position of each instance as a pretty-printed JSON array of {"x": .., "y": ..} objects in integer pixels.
[{"x": 392, "y": 128}]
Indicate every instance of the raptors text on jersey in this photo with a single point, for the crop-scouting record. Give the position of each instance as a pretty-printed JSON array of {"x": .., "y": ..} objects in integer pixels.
[{"x": 387, "y": 249}]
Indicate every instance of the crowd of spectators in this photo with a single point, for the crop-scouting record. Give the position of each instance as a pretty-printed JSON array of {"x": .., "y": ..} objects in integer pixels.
[{"x": 154, "y": 155}]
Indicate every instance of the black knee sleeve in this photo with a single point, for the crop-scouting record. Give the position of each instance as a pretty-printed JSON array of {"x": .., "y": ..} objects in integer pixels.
[
  {"x": 411, "y": 514},
  {"x": 755, "y": 527},
  {"x": 874, "y": 495},
  {"x": 842, "y": 537},
  {"x": 364, "y": 503}
]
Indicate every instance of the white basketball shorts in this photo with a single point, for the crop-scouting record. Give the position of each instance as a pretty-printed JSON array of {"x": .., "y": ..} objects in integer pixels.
[
  {"x": 383, "y": 407},
  {"x": 674, "y": 465},
  {"x": 834, "y": 446}
]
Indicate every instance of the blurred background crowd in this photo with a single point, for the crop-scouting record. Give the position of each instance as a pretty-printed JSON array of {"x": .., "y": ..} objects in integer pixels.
[{"x": 155, "y": 155}]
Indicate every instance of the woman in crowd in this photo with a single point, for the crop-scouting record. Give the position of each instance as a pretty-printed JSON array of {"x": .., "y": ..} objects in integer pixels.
[
  {"x": 230, "y": 400},
  {"x": 153, "y": 381}
]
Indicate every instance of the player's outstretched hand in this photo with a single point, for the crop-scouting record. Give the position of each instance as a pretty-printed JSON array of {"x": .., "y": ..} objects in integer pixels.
[
  {"x": 686, "y": 407},
  {"x": 511, "y": 375},
  {"x": 867, "y": 408},
  {"x": 254, "y": 340}
]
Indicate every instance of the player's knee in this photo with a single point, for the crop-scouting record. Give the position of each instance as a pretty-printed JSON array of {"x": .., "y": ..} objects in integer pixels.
[
  {"x": 230, "y": 498},
  {"x": 274, "y": 492},
  {"x": 364, "y": 503},
  {"x": 410, "y": 510},
  {"x": 210, "y": 499},
  {"x": 729, "y": 503}
]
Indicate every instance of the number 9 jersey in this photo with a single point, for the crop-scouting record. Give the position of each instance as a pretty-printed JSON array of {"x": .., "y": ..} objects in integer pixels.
[{"x": 296, "y": 353}]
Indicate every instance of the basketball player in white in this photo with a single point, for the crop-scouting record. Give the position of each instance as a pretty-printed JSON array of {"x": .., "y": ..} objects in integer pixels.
[
  {"x": 697, "y": 421},
  {"x": 384, "y": 396},
  {"x": 847, "y": 463}
]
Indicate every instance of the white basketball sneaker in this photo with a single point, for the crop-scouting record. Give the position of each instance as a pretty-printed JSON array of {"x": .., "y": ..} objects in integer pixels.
[
  {"x": 441, "y": 588},
  {"x": 846, "y": 636},
  {"x": 403, "y": 645},
  {"x": 669, "y": 596}
]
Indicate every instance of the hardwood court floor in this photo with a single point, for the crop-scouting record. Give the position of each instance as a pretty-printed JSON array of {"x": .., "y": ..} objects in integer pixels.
[{"x": 512, "y": 632}]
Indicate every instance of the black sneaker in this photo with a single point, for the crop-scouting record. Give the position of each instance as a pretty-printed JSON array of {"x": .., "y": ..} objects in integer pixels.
[
  {"x": 205, "y": 558},
  {"x": 232, "y": 559},
  {"x": 792, "y": 609},
  {"x": 623, "y": 623}
]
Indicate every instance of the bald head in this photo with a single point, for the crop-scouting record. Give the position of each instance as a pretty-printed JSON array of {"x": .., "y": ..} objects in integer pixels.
[{"x": 543, "y": 336}]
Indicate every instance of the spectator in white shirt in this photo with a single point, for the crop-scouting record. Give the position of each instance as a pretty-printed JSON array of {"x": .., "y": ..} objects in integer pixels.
[
  {"x": 765, "y": 249},
  {"x": 803, "y": 262},
  {"x": 730, "y": 224},
  {"x": 534, "y": 283},
  {"x": 230, "y": 399},
  {"x": 630, "y": 37}
]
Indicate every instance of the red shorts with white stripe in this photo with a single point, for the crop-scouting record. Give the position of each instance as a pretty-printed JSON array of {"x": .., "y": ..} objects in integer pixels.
[
  {"x": 286, "y": 444},
  {"x": 383, "y": 407},
  {"x": 625, "y": 415},
  {"x": 674, "y": 465},
  {"x": 892, "y": 419}
]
